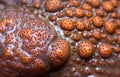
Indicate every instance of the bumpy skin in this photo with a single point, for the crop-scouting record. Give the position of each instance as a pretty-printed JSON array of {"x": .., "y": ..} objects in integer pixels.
[
  {"x": 24, "y": 44},
  {"x": 85, "y": 49},
  {"x": 67, "y": 24},
  {"x": 105, "y": 50},
  {"x": 53, "y": 5},
  {"x": 96, "y": 21},
  {"x": 58, "y": 51},
  {"x": 79, "y": 25},
  {"x": 34, "y": 3}
]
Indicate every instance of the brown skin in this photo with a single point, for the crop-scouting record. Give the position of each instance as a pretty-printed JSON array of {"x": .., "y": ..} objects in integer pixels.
[
  {"x": 69, "y": 12},
  {"x": 74, "y": 3},
  {"x": 75, "y": 37},
  {"x": 67, "y": 33},
  {"x": 86, "y": 34},
  {"x": 107, "y": 6},
  {"x": 53, "y": 5},
  {"x": 117, "y": 31},
  {"x": 52, "y": 17},
  {"x": 85, "y": 49},
  {"x": 76, "y": 66},
  {"x": 79, "y": 12},
  {"x": 60, "y": 14},
  {"x": 94, "y": 3},
  {"x": 97, "y": 21},
  {"x": 79, "y": 25},
  {"x": 87, "y": 23},
  {"x": 109, "y": 26},
  {"x": 99, "y": 12},
  {"x": 114, "y": 15},
  {"x": 118, "y": 22},
  {"x": 58, "y": 52},
  {"x": 96, "y": 34},
  {"x": 29, "y": 45},
  {"x": 37, "y": 3},
  {"x": 117, "y": 49},
  {"x": 88, "y": 14},
  {"x": 105, "y": 50},
  {"x": 67, "y": 24},
  {"x": 86, "y": 7},
  {"x": 114, "y": 2}
]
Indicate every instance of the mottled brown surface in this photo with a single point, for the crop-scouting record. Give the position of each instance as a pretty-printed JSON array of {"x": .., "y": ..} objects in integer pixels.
[
  {"x": 25, "y": 44},
  {"x": 96, "y": 21}
]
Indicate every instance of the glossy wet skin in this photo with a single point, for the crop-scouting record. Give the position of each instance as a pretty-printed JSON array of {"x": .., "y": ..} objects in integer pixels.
[
  {"x": 29, "y": 45},
  {"x": 96, "y": 22}
]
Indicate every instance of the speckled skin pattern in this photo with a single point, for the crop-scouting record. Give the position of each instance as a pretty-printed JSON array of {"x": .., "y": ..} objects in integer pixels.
[
  {"x": 59, "y": 38},
  {"x": 28, "y": 45}
]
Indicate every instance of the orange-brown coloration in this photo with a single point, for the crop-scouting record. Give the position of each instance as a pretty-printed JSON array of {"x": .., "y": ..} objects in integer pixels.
[
  {"x": 99, "y": 12},
  {"x": 97, "y": 21},
  {"x": 53, "y": 5},
  {"x": 87, "y": 23},
  {"x": 117, "y": 31},
  {"x": 118, "y": 22},
  {"x": 118, "y": 39},
  {"x": 86, "y": 6},
  {"x": 1, "y": 27},
  {"x": 114, "y": 15},
  {"x": 37, "y": 3},
  {"x": 85, "y": 49},
  {"x": 29, "y": 45},
  {"x": 114, "y": 2},
  {"x": 93, "y": 40},
  {"x": 74, "y": 3},
  {"x": 109, "y": 39},
  {"x": 96, "y": 34},
  {"x": 94, "y": 3},
  {"x": 7, "y": 53},
  {"x": 88, "y": 14},
  {"x": 117, "y": 49},
  {"x": 9, "y": 39},
  {"x": 75, "y": 37},
  {"x": 39, "y": 66},
  {"x": 25, "y": 33},
  {"x": 52, "y": 17},
  {"x": 67, "y": 24},
  {"x": 86, "y": 34},
  {"x": 24, "y": 1},
  {"x": 58, "y": 51},
  {"x": 25, "y": 44},
  {"x": 79, "y": 25},
  {"x": 109, "y": 26},
  {"x": 67, "y": 33},
  {"x": 25, "y": 58},
  {"x": 107, "y": 6},
  {"x": 69, "y": 12},
  {"x": 1, "y": 24},
  {"x": 103, "y": 35},
  {"x": 8, "y": 21},
  {"x": 79, "y": 12},
  {"x": 105, "y": 50},
  {"x": 60, "y": 14}
]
